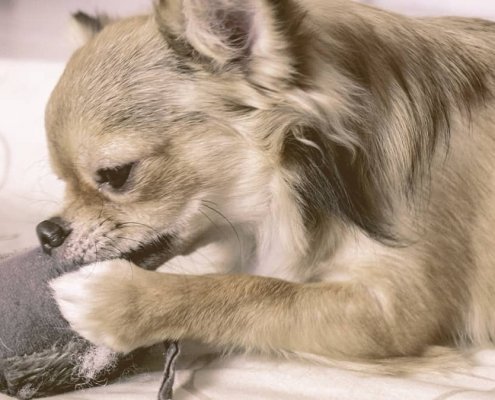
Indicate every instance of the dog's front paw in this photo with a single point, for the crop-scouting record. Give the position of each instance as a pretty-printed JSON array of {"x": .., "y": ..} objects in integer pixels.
[{"x": 101, "y": 303}]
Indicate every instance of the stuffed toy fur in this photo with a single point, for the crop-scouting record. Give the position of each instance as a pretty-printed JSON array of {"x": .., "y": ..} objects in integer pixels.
[{"x": 39, "y": 354}]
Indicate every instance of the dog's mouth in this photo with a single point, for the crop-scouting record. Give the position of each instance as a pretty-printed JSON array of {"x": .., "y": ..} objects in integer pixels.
[{"x": 153, "y": 254}]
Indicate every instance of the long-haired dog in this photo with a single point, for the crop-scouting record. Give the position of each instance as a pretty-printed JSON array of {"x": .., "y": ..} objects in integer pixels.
[{"x": 313, "y": 177}]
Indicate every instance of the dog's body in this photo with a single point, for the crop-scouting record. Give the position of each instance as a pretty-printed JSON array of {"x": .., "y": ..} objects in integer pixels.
[{"x": 346, "y": 152}]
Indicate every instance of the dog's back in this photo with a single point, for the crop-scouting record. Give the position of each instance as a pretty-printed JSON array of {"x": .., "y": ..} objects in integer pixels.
[{"x": 430, "y": 134}]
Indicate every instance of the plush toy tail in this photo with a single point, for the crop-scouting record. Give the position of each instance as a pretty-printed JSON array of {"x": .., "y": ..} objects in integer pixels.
[{"x": 171, "y": 355}]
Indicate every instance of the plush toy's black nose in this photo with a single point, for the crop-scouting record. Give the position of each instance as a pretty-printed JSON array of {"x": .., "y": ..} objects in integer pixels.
[{"x": 51, "y": 234}]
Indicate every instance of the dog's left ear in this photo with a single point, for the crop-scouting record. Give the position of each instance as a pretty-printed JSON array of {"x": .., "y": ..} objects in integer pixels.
[
  {"x": 86, "y": 26},
  {"x": 227, "y": 33}
]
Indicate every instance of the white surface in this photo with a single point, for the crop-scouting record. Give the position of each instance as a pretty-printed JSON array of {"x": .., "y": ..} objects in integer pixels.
[
  {"x": 28, "y": 193},
  {"x": 28, "y": 190},
  {"x": 472, "y": 8},
  {"x": 40, "y": 28},
  {"x": 257, "y": 378}
]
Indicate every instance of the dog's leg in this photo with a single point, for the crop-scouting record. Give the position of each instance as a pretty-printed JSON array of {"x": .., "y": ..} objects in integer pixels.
[{"x": 125, "y": 308}]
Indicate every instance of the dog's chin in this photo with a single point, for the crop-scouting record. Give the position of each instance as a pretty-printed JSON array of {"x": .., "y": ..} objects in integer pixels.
[
  {"x": 152, "y": 255},
  {"x": 148, "y": 255}
]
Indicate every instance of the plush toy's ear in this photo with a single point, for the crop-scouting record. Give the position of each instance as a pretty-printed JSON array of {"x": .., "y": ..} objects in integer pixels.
[
  {"x": 226, "y": 32},
  {"x": 86, "y": 26}
]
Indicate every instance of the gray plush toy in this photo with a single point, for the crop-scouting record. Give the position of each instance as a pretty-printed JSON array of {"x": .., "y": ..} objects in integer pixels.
[{"x": 39, "y": 354}]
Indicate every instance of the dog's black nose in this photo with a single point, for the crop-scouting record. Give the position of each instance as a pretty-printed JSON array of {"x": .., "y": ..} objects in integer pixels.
[{"x": 51, "y": 234}]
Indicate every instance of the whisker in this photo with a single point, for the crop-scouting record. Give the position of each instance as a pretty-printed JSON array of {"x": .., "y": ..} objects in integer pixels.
[
  {"x": 140, "y": 242},
  {"x": 109, "y": 238},
  {"x": 230, "y": 224},
  {"x": 93, "y": 266},
  {"x": 101, "y": 209},
  {"x": 103, "y": 222},
  {"x": 209, "y": 201},
  {"x": 96, "y": 250},
  {"x": 123, "y": 224},
  {"x": 114, "y": 243},
  {"x": 208, "y": 259},
  {"x": 209, "y": 219},
  {"x": 131, "y": 266},
  {"x": 117, "y": 250}
]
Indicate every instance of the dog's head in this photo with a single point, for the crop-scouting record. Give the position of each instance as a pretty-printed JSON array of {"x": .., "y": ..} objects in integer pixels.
[{"x": 158, "y": 127}]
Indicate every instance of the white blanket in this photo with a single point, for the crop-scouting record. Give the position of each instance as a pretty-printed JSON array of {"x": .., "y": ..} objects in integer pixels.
[{"x": 258, "y": 378}]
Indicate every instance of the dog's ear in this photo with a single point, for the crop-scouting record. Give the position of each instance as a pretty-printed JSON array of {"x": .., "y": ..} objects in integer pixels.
[
  {"x": 229, "y": 32},
  {"x": 86, "y": 26}
]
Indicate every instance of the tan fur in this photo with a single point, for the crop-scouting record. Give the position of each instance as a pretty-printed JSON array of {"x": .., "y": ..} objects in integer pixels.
[{"x": 331, "y": 164}]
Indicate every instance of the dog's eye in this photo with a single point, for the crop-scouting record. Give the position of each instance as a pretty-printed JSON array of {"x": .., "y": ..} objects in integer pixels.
[{"x": 114, "y": 177}]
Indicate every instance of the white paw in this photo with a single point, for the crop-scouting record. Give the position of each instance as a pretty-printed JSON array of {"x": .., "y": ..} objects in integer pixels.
[{"x": 95, "y": 300}]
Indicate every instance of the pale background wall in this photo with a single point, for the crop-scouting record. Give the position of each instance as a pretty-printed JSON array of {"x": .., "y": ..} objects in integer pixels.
[
  {"x": 39, "y": 28},
  {"x": 34, "y": 43},
  {"x": 473, "y": 8}
]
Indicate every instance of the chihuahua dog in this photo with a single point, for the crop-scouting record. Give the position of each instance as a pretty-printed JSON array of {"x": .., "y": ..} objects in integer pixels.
[{"x": 308, "y": 176}]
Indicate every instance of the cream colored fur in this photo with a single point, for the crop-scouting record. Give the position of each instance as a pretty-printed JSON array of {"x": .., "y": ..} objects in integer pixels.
[{"x": 329, "y": 166}]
